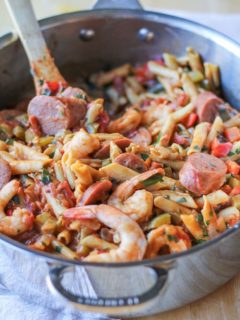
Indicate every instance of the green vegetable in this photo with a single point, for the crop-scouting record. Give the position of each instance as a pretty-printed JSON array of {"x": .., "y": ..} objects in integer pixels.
[
  {"x": 81, "y": 96},
  {"x": 199, "y": 218},
  {"x": 46, "y": 177},
  {"x": 144, "y": 156},
  {"x": 9, "y": 141},
  {"x": 224, "y": 114},
  {"x": 58, "y": 249},
  {"x": 158, "y": 139},
  {"x": 51, "y": 155},
  {"x": 198, "y": 241},
  {"x": 92, "y": 127},
  {"x": 196, "y": 148},
  {"x": 172, "y": 238},
  {"x": 182, "y": 200},
  {"x": 16, "y": 199},
  {"x": 154, "y": 179}
]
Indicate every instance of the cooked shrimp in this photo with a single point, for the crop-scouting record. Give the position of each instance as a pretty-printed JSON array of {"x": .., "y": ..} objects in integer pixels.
[
  {"x": 21, "y": 220},
  {"x": 129, "y": 121},
  {"x": 133, "y": 242},
  {"x": 174, "y": 237},
  {"x": 81, "y": 145},
  {"x": 137, "y": 204}
]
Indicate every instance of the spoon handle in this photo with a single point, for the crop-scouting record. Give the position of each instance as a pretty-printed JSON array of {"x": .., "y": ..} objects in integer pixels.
[{"x": 28, "y": 29}]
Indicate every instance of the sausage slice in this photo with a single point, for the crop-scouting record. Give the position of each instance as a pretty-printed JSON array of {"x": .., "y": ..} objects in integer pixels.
[
  {"x": 103, "y": 153},
  {"x": 141, "y": 136},
  {"x": 207, "y": 105},
  {"x": 131, "y": 161},
  {"x": 55, "y": 113},
  {"x": 202, "y": 173},
  {"x": 5, "y": 173},
  {"x": 96, "y": 192}
]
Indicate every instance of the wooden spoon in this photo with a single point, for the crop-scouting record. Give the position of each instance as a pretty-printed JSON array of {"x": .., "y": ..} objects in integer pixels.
[{"x": 40, "y": 59}]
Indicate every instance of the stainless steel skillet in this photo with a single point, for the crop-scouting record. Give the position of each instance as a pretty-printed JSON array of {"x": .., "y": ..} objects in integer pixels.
[{"x": 83, "y": 42}]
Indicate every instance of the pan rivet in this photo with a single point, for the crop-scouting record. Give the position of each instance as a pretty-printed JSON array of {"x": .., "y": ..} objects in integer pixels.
[
  {"x": 146, "y": 34},
  {"x": 86, "y": 34}
]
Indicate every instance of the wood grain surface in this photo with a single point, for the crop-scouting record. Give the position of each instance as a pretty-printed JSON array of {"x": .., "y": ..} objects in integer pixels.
[{"x": 223, "y": 304}]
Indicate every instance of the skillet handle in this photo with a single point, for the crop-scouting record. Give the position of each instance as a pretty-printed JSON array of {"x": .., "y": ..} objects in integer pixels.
[
  {"x": 110, "y": 306},
  {"x": 118, "y": 4}
]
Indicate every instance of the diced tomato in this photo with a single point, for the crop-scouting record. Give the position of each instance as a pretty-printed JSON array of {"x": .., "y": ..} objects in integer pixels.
[
  {"x": 190, "y": 120},
  {"x": 64, "y": 186},
  {"x": 232, "y": 167},
  {"x": 235, "y": 190},
  {"x": 177, "y": 138},
  {"x": 220, "y": 150},
  {"x": 232, "y": 134},
  {"x": 142, "y": 73},
  {"x": 161, "y": 100},
  {"x": 53, "y": 86},
  {"x": 33, "y": 121},
  {"x": 103, "y": 120},
  {"x": 156, "y": 165},
  {"x": 9, "y": 212},
  {"x": 148, "y": 162},
  {"x": 226, "y": 188},
  {"x": 159, "y": 61},
  {"x": 182, "y": 99},
  {"x": 233, "y": 221}
]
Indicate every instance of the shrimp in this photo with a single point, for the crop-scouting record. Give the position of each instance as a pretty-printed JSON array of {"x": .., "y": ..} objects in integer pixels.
[
  {"x": 129, "y": 121},
  {"x": 133, "y": 242},
  {"x": 21, "y": 220},
  {"x": 81, "y": 145},
  {"x": 174, "y": 237},
  {"x": 137, "y": 204}
]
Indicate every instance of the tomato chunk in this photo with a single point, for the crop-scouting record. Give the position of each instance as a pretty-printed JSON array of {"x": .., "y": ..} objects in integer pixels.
[
  {"x": 191, "y": 120},
  {"x": 235, "y": 190},
  {"x": 232, "y": 167},
  {"x": 220, "y": 150},
  {"x": 232, "y": 134}
]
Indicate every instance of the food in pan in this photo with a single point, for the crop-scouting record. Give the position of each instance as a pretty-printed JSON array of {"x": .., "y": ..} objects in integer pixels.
[{"x": 150, "y": 168}]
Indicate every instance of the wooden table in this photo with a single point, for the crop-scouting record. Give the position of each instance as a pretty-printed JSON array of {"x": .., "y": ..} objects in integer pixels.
[{"x": 223, "y": 304}]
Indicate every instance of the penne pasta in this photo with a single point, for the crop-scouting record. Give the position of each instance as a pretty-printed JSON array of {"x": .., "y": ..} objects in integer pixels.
[
  {"x": 199, "y": 138},
  {"x": 182, "y": 198},
  {"x": 118, "y": 172},
  {"x": 20, "y": 151},
  {"x": 62, "y": 249},
  {"x": 191, "y": 223},
  {"x": 234, "y": 121},
  {"x": 172, "y": 207},
  {"x": 165, "y": 72},
  {"x": 170, "y": 61},
  {"x": 167, "y": 131},
  {"x": 216, "y": 128},
  {"x": 94, "y": 242},
  {"x": 183, "y": 112},
  {"x": 189, "y": 86},
  {"x": 54, "y": 203},
  {"x": 194, "y": 60},
  {"x": 215, "y": 198}
]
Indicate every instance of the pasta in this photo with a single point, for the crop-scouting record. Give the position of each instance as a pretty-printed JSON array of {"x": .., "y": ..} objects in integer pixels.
[{"x": 151, "y": 169}]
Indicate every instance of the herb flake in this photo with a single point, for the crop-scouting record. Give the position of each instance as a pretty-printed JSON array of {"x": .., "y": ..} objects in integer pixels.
[
  {"x": 182, "y": 200},
  {"x": 46, "y": 177},
  {"x": 153, "y": 180}
]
